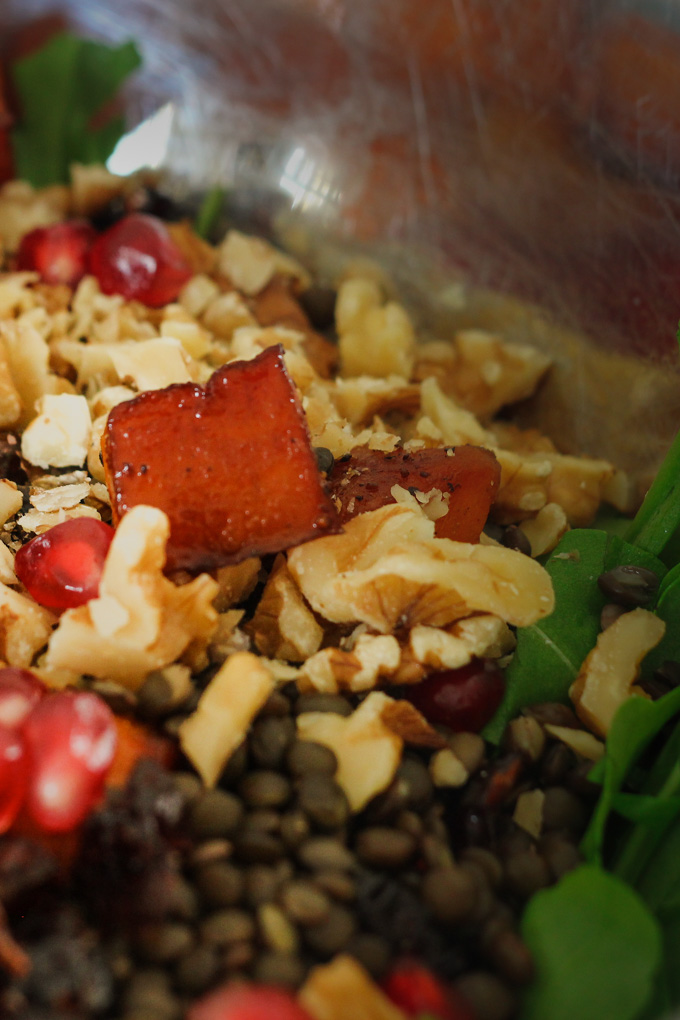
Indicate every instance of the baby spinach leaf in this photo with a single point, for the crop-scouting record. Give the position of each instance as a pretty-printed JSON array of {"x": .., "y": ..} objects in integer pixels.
[
  {"x": 61, "y": 88},
  {"x": 596, "y": 947},
  {"x": 549, "y": 654},
  {"x": 209, "y": 211},
  {"x": 635, "y": 724},
  {"x": 646, "y": 809},
  {"x": 668, "y": 608}
]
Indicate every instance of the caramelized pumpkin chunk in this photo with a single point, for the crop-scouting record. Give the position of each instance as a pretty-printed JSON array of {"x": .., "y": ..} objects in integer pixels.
[
  {"x": 467, "y": 477},
  {"x": 230, "y": 464}
]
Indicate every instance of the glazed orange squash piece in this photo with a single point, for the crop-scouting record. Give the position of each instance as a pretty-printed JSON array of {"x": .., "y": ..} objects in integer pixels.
[
  {"x": 231, "y": 464},
  {"x": 468, "y": 475}
]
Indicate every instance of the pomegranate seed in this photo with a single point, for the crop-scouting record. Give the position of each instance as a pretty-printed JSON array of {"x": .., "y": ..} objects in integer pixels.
[
  {"x": 416, "y": 990},
  {"x": 13, "y": 775},
  {"x": 137, "y": 258},
  {"x": 20, "y": 692},
  {"x": 463, "y": 699},
  {"x": 59, "y": 253},
  {"x": 71, "y": 740},
  {"x": 248, "y": 1002},
  {"x": 62, "y": 567}
]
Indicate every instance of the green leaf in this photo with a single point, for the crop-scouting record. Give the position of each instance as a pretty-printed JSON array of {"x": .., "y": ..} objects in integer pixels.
[
  {"x": 635, "y": 724},
  {"x": 658, "y": 518},
  {"x": 209, "y": 212},
  {"x": 549, "y": 654},
  {"x": 645, "y": 809},
  {"x": 60, "y": 89},
  {"x": 596, "y": 947},
  {"x": 668, "y": 608}
]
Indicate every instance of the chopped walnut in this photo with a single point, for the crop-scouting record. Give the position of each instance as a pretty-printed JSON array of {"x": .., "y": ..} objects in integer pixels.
[
  {"x": 283, "y": 626},
  {"x": 330, "y": 988},
  {"x": 607, "y": 677},
  {"x": 360, "y": 399},
  {"x": 28, "y": 356},
  {"x": 446, "y": 769},
  {"x": 528, "y": 813},
  {"x": 250, "y": 262},
  {"x": 375, "y": 339},
  {"x": 178, "y": 325},
  {"x": 24, "y": 627},
  {"x": 387, "y": 570},
  {"x": 236, "y": 582},
  {"x": 372, "y": 658},
  {"x": 224, "y": 713},
  {"x": 140, "y": 621},
  {"x": 545, "y": 529},
  {"x": 59, "y": 436},
  {"x": 580, "y": 741},
  {"x": 11, "y": 500},
  {"x": 368, "y": 751},
  {"x": 407, "y": 722},
  {"x": 483, "y": 636},
  {"x": 455, "y": 425}
]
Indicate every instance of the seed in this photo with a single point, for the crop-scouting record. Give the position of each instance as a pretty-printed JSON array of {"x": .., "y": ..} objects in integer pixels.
[
  {"x": 450, "y": 893},
  {"x": 382, "y": 847},
  {"x": 264, "y": 820},
  {"x": 436, "y": 852},
  {"x": 279, "y": 969},
  {"x": 563, "y": 810},
  {"x": 610, "y": 614},
  {"x": 277, "y": 704},
  {"x": 305, "y": 756},
  {"x": 372, "y": 952},
  {"x": 239, "y": 955},
  {"x": 487, "y": 861},
  {"x": 319, "y": 304},
  {"x": 526, "y": 873},
  {"x": 261, "y": 884},
  {"x": 323, "y": 703},
  {"x": 148, "y": 995},
  {"x": 325, "y": 460},
  {"x": 276, "y": 930},
  {"x": 163, "y": 943},
  {"x": 156, "y": 697},
  {"x": 257, "y": 847},
  {"x": 210, "y": 851},
  {"x": 236, "y": 766},
  {"x": 264, "y": 789},
  {"x": 629, "y": 585},
  {"x": 526, "y": 736},
  {"x": 269, "y": 740},
  {"x": 294, "y": 828},
  {"x": 333, "y": 934},
  {"x": 489, "y": 997},
  {"x": 221, "y": 884},
  {"x": 554, "y": 713},
  {"x": 323, "y": 801},
  {"x": 227, "y": 926},
  {"x": 305, "y": 902},
  {"x": 189, "y": 785},
  {"x": 409, "y": 821},
  {"x": 216, "y": 813},
  {"x": 514, "y": 538},
  {"x": 512, "y": 958},
  {"x": 337, "y": 884},
  {"x": 556, "y": 763},
  {"x": 321, "y": 853},
  {"x": 559, "y": 852},
  {"x": 197, "y": 970}
]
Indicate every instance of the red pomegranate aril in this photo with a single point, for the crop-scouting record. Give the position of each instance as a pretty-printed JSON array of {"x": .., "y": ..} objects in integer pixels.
[
  {"x": 247, "y": 1002},
  {"x": 70, "y": 740},
  {"x": 138, "y": 259},
  {"x": 59, "y": 252},
  {"x": 13, "y": 775},
  {"x": 62, "y": 567},
  {"x": 463, "y": 699},
  {"x": 20, "y": 692},
  {"x": 416, "y": 991}
]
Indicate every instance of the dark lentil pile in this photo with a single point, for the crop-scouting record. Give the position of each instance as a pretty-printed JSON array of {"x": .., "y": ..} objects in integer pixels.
[{"x": 178, "y": 888}]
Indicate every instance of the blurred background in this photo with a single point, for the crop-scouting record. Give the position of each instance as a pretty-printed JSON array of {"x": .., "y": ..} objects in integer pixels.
[{"x": 515, "y": 165}]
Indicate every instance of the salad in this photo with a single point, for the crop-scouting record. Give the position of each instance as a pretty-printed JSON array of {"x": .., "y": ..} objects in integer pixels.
[{"x": 323, "y": 685}]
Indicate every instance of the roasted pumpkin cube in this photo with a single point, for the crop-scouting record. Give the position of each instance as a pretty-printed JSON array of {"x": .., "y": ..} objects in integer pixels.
[
  {"x": 467, "y": 476},
  {"x": 230, "y": 463}
]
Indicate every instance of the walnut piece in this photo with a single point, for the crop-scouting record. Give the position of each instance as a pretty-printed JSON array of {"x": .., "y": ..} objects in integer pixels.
[
  {"x": 333, "y": 669},
  {"x": 24, "y": 627},
  {"x": 375, "y": 339},
  {"x": 283, "y": 626},
  {"x": 332, "y": 987},
  {"x": 140, "y": 621},
  {"x": 226, "y": 709},
  {"x": 607, "y": 677},
  {"x": 387, "y": 570},
  {"x": 60, "y": 434},
  {"x": 368, "y": 751}
]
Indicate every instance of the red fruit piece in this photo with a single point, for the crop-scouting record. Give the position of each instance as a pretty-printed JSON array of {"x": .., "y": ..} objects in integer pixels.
[
  {"x": 59, "y": 253},
  {"x": 248, "y": 1002},
  {"x": 416, "y": 990},
  {"x": 231, "y": 464},
  {"x": 71, "y": 740},
  {"x": 469, "y": 475},
  {"x": 62, "y": 567},
  {"x": 463, "y": 699},
  {"x": 13, "y": 775},
  {"x": 20, "y": 692},
  {"x": 137, "y": 258}
]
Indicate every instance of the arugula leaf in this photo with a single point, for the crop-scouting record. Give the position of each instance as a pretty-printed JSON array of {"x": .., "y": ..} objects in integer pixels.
[
  {"x": 658, "y": 519},
  {"x": 549, "y": 654},
  {"x": 61, "y": 88},
  {"x": 636, "y": 722},
  {"x": 668, "y": 608},
  {"x": 596, "y": 947}
]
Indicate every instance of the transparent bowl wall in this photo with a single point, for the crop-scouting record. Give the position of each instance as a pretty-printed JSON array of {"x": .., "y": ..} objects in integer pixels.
[{"x": 511, "y": 165}]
